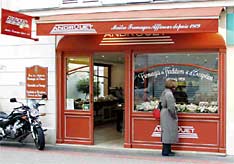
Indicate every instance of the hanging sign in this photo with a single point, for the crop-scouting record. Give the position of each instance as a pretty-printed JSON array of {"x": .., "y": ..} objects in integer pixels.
[
  {"x": 36, "y": 82},
  {"x": 16, "y": 24}
]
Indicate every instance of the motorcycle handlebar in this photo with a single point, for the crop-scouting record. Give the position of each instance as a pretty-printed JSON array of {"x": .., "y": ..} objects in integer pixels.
[{"x": 18, "y": 107}]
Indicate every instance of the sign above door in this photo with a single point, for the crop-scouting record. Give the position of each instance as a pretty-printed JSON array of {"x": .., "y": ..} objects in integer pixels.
[{"x": 164, "y": 21}]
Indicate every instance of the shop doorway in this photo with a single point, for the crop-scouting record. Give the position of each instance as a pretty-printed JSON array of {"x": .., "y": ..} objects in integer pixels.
[
  {"x": 108, "y": 91},
  {"x": 76, "y": 103}
]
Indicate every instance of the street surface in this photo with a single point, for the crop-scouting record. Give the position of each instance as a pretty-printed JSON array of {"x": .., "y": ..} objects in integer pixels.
[{"x": 14, "y": 153}]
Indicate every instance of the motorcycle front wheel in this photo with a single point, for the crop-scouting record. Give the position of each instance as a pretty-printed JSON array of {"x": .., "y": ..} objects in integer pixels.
[{"x": 39, "y": 138}]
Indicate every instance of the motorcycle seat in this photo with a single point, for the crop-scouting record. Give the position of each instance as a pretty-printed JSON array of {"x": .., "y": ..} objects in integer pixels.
[{"x": 3, "y": 115}]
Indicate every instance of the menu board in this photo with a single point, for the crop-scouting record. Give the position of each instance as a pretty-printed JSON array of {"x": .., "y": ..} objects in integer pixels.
[{"x": 36, "y": 82}]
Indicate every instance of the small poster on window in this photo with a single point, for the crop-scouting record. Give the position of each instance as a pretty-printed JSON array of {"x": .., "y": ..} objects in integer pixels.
[{"x": 70, "y": 104}]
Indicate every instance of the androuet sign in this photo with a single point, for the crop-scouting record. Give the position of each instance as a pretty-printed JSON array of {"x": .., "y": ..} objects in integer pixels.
[
  {"x": 72, "y": 29},
  {"x": 129, "y": 27},
  {"x": 183, "y": 132},
  {"x": 16, "y": 24}
]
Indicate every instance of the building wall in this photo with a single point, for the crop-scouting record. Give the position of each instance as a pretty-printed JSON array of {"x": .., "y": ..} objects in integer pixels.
[
  {"x": 16, "y": 55},
  {"x": 230, "y": 94},
  {"x": 230, "y": 102}
]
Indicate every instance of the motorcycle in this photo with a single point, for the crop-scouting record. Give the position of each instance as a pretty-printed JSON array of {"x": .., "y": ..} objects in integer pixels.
[{"x": 23, "y": 121}]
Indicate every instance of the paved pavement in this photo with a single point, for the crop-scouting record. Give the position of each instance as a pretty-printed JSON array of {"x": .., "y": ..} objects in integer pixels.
[{"x": 14, "y": 153}]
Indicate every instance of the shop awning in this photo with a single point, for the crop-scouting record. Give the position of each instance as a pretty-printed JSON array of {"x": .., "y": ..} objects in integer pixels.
[{"x": 186, "y": 20}]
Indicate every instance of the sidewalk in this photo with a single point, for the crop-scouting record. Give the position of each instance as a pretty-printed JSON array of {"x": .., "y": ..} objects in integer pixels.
[
  {"x": 83, "y": 154},
  {"x": 147, "y": 154}
]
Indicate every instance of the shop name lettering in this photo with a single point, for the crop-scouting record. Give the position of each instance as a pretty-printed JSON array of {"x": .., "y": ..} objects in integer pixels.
[
  {"x": 72, "y": 28},
  {"x": 175, "y": 71},
  {"x": 156, "y": 27},
  {"x": 22, "y": 23},
  {"x": 183, "y": 132}
]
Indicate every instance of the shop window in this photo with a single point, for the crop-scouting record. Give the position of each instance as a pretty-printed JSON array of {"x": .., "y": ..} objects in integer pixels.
[
  {"x": 78, "y": 81},
  {"x": 196, "y": 75}
]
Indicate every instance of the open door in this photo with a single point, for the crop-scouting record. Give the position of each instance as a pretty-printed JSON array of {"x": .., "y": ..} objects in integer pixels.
[{"x": 78, "y": 99}]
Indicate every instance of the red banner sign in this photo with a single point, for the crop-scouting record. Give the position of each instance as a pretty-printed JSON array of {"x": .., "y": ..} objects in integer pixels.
[
  {"x": 16, "y": 24},
  {"x": 129, "y": 27},
  {"x": 36, "y": 82}
]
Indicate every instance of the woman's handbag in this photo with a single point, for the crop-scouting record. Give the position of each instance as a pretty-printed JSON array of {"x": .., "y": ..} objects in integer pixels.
[{"x": 156, "y": 111}]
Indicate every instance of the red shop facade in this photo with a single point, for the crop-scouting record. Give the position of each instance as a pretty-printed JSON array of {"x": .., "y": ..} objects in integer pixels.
[{"x": 183, "y": 44}]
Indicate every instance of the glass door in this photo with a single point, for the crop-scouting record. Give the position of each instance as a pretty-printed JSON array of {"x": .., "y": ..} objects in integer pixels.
[{"x": 78, "y": 113}]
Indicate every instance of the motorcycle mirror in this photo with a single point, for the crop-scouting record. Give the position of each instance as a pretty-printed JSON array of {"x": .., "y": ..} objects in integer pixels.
[
  {"x": 44, "y": 96},
  {"x": 13, "y": 100}
]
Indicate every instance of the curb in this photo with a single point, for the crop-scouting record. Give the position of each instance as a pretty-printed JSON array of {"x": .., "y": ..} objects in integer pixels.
[{"x": 204, "y": 157}]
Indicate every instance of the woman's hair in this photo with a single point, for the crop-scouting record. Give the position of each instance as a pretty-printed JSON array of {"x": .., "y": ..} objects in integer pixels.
[{"x": 170, "y": 84}]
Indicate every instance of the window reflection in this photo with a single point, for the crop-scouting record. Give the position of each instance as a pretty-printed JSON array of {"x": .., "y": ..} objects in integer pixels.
[
  {"x": 196, "y": 75},
  {"x": 78, "y": 81}
]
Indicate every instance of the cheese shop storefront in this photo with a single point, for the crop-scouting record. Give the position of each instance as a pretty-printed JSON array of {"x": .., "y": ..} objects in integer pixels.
[{"x": 129, "y": 58}]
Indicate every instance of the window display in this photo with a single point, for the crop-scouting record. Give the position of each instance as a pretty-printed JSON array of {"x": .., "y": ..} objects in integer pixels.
[
  {"x": 78, "y": 73},
  {"x": 196, "y": 75}
]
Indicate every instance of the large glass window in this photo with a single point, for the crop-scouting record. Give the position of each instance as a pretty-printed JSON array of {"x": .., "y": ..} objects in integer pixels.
[{"x": 196, "y": 75}]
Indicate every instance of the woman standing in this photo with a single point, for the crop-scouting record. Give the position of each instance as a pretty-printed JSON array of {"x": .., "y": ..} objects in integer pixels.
[{"x": 168, "y": 118}]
